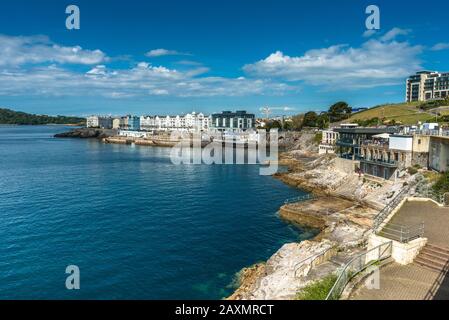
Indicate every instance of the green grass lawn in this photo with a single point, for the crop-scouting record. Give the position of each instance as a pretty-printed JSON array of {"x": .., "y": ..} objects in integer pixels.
[{"x": 406, "y": 113}]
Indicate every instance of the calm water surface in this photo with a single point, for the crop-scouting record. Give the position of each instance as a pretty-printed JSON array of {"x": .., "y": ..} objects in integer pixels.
[{"x": 138, "y": 226}]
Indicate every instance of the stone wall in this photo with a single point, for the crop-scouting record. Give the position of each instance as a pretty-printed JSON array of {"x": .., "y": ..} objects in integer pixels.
[
  {"x": 402, "y": 253},
  {"x": 421, "y": 159},
  {"x": 346, "y": 166}
]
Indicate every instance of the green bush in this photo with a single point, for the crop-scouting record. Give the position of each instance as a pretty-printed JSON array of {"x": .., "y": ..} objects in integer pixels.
[
  {"x": 412, "y": 170},
  {"x": 442, "y": 184},
  {"x": 317, "y": 290}
]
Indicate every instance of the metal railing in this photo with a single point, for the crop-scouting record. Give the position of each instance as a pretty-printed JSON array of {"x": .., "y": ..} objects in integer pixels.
[
  {"x": 385, "y": 212},
  {"x": 437, "y": 133},
  {"x": 358, "y": 264},
  {"x": 402, "y": 233},
  {"x": 305, "y": 197},
  {"x": 308, "y": 262}
]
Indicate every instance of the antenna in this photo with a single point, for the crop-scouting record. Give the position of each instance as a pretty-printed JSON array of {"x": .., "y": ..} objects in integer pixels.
[{"x": 266, "y": 111}]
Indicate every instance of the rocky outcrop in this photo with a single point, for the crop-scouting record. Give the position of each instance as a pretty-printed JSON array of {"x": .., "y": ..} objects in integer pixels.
[
  {"x": 87, "y": 133},
  {"x": 278, "y": 279}
]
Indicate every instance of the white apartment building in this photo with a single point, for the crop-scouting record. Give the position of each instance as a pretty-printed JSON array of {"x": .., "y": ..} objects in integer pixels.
[
  {"x": 189, "y": 122},
  {"x": 99, "y": 122},
  {"x": 92, "y": 122},
  {"x": 427, "y": 85},
  {"x": 328, "y": 142},
  {"x": 116, "y": 123}
]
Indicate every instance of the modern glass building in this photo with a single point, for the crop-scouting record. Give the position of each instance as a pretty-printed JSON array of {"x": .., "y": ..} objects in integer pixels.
[{"x": 233, "y": 121}]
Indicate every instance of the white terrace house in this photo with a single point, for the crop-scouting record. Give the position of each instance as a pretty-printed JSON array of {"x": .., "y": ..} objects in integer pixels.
[{"x": 189, "y": 122}]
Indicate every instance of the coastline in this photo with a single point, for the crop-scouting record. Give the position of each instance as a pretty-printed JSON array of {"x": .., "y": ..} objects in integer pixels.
[
  {"x": 343, "y": 222},
  {"x": 343, "y": 225}
]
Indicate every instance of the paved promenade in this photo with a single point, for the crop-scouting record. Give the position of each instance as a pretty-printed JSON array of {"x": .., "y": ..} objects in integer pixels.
[
  {"x": 414, "y": 282},
  {"x": 435, "y": 218},
  {"x": 397, "y": 282}
]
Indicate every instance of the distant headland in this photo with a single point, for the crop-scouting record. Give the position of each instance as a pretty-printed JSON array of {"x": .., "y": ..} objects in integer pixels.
[{"x": 12, "y": 117}]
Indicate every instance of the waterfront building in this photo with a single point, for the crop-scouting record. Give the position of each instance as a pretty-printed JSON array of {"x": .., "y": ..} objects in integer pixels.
[
  {"x": 427, "y": 85},
  {"x": 147, "y": 123},
  {"x": 116, "y": 123},
  {"x": 99, "y": 122},
  {"x": 131, "y": 123},
  {"x": 351, "y": 138},
  {"x": 328, "y": 142},
  {"x": 233, "y": 121},
  {"x": 189, "y": 122},
  {"x": 92, "y": 122},
  {"x": 385, "y": 155}
]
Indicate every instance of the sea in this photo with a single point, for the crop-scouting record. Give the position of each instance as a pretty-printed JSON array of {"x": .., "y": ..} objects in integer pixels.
[{"x": 134, "y": 224}]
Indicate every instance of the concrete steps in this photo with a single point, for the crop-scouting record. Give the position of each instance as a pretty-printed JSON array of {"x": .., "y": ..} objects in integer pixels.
[{"x": 433, "y": 257}]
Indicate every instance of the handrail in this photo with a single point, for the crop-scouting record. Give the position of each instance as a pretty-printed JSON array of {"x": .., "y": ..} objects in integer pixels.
[
  {"x": 385, "y": 212},
  {"x": 305, "y": 197},
  {"x": 402, "y": 233},
  {"x": 355, "y": 266},
  {"x": 312, "y": 259}
]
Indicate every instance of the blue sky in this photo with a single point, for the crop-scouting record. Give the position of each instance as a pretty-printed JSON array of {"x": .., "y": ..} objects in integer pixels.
[{"x": 157, "y": 57}]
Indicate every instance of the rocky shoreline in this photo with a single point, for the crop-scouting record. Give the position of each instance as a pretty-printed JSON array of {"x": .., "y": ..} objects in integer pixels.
[
  {"x": 87, "y": 133},
  {"x": 343, "y": 209}
]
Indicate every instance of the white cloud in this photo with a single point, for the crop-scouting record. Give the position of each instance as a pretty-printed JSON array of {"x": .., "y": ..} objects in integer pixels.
[
  {"x": 35, "y": 66},
  {"x": 440, "y": 46},
  {"x": 142, "y": 80},
  {"x": 286, "y": 109},
  {"x": 375, "y": 63},
  {"x": 394, "y": 33},
  {"x": 165, "y": 52},
  {"x": 369, "y": 33},
  {"x": 16, "y": 51}
]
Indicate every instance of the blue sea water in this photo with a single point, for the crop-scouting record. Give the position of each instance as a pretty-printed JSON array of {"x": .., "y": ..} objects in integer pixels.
[{"x": 137, "y": 226}]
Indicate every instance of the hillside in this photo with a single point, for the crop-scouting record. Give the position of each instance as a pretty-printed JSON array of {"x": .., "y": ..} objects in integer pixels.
[
  {"x": 8, "y": 116},
  {"x": 405, "y": 113}
]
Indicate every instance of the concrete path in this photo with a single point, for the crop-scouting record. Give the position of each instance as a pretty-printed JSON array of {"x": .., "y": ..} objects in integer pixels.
[
  {"x": 413, "y": 282},
  {"x": 435, "y": 218},
  {"x": 409, "y": 282}
]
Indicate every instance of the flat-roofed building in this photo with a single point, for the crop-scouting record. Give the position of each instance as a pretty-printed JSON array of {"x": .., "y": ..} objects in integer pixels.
[
  {"x": 350, "y": 139},
  {"x": 385, "y": 155},
  {"x": 99, "y": 122},
  {"x": 427, "y": 85},
  {"x": 233, "y": 121},
  {"x": 328, "y": 141}
]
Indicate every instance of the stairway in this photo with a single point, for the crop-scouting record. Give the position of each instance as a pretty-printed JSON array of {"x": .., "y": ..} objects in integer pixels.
[{"x": 434, "y": 257}]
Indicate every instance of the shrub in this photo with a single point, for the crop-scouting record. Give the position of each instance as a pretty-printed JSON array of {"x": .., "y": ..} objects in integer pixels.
[
  {"x": 442, "y": 184},
  {"x": 317, "y": 290},
  {"x": 412, "y": 170}
]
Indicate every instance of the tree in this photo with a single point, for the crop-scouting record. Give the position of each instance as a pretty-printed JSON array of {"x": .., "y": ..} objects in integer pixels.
[
  {"x": 310, "y": 119},
  {"x": 340, "y": 111},
  {"x": 273, "y": 124},
  {"x": 297, "y": 121},
  {"x": 288, "y": 125}
]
